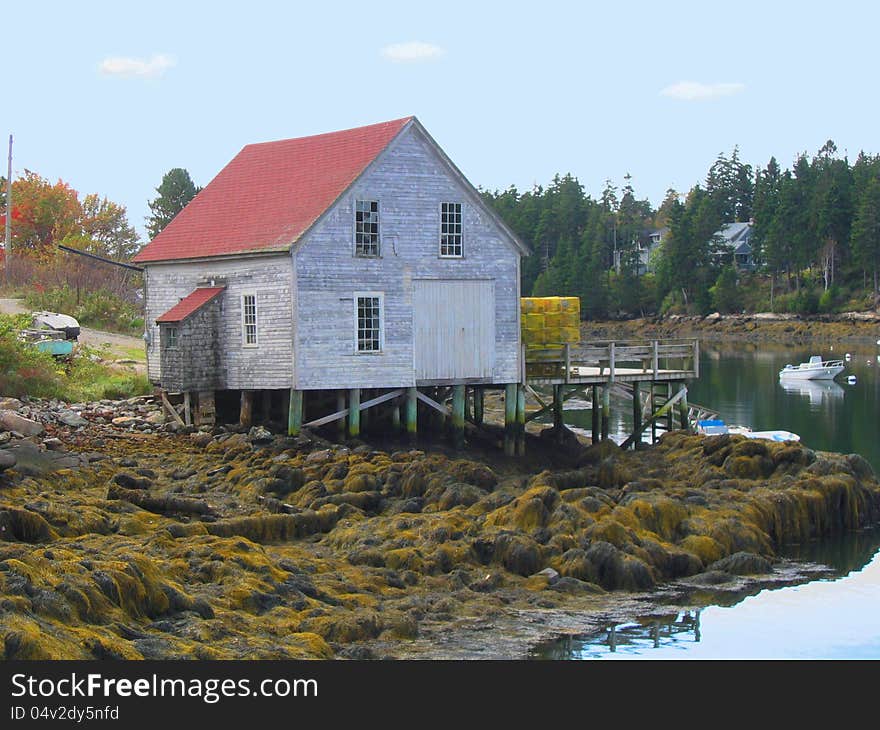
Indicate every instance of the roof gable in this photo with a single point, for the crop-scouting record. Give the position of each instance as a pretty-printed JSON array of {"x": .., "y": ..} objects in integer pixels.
[
  {"x": 512, "y": 237},
  {"x": 270, "y": 194},
  {"x": 190, "y": 304}
]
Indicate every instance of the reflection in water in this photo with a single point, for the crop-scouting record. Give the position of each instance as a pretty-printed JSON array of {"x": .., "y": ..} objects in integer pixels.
[
  {"x": 816, "y": 391},
  {"x": 632, "y": 637},
  {"x": 828, "y": 618},
  {"x": 673, "y": 631}
]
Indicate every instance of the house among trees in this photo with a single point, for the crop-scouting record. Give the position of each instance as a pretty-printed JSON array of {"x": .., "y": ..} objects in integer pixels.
[
  {"x": 734, "y": 241},
  {"x": 316, "y": 277}
]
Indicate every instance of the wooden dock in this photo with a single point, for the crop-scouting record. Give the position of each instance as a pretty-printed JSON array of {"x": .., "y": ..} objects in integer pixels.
[
  {"x": 662, "y": 367},
  {"x": 613, "y": 361}
]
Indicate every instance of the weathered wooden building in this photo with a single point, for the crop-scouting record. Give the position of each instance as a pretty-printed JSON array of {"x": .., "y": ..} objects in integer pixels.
[{"x": 334, "y": 264}]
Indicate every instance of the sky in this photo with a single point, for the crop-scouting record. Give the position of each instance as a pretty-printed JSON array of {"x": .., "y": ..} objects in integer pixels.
[{"x": 109, "y": 96}]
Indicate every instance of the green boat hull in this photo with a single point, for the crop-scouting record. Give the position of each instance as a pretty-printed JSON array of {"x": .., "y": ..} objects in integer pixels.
[{"x": 58, "y": 348}]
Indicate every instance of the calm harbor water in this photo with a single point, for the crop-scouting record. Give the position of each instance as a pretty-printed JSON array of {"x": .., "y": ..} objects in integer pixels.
[{"x": 833, "y": 617}]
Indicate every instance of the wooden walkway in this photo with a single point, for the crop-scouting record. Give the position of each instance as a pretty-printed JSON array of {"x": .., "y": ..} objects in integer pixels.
[
  {"x": 598, "y": 363},
  {"x": 663, "y": 366}
]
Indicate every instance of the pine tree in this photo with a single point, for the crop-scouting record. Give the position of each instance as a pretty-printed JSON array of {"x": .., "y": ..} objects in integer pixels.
[{"x": 175, "y": 192}]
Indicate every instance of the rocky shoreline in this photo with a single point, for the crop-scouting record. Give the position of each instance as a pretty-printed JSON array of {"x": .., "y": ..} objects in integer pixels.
[
  {"x": 762, "y": 327},
  {"x": 122, "y": 536}
]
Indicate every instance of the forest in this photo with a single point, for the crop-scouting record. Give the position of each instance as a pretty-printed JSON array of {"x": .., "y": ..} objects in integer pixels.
[{"x": 815, "y": 239}]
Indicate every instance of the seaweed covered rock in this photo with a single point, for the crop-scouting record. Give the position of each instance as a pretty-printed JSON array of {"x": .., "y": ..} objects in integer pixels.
[{"x": 323, "y": 552}]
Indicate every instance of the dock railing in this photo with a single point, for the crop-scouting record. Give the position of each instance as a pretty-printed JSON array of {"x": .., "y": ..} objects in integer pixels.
[{"x": 607, "y": 360}]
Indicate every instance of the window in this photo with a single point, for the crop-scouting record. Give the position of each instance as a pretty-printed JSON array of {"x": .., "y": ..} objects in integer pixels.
[
  {"x": 170, "y": 338},
  {"x": 366, "y": 228},
  {"x": 368, "y": 312},
  {"x": 249, "y": 320},
  {"x": 450, "y": 229}
]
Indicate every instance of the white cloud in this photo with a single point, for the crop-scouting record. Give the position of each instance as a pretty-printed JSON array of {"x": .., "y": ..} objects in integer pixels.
[
  {"x": 696, "y": 91},
  {"x": 136, "y": 67},
  {"x": 412, "y": 52}
]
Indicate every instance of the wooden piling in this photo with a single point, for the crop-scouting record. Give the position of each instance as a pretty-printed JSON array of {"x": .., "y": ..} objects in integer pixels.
[
  {"x": 395, "y": 415},
  {"x": 458, "y": 398},
  {"x": 295, "y": 412},
  {"x": 411, "y": 414},
  {"x": 510, "y": 400},
  {"x": 245, "y": 413},
  {"x": 595, "y": 433},
  {"x": 683, "y": 411},
  {"x": 187, "y": 408},
  {"x": 637, "y": 415},
  {"x": 652, "y": 409},
  {"x": 606, "y": 409},
  {"x": 520, "y": 420},
  {"x": 478, "y": 404},
  {"x": 354, "y": 412}
]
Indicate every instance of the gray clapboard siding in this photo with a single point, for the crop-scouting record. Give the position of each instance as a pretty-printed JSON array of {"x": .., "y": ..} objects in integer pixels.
[
  {"x": 269, "y": 365},
  {"x": 410, "y": 181}
]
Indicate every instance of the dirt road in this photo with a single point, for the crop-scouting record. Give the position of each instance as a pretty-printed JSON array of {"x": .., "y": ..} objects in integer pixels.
[{"x": 118, "y": 347}]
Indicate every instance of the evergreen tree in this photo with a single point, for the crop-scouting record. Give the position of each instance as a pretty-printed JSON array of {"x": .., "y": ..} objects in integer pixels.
[
  {"x": 175, "y": 191},
  {"x": 866, "y": 231}
]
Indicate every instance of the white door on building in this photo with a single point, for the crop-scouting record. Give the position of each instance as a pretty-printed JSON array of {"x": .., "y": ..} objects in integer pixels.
[{"x": 453, "y": 329}]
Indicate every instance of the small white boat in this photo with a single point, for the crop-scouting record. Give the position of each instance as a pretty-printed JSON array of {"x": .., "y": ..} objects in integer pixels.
[
  {"x": 56, "y": 322},
  {"x": 814, "y": 369},
  {"x": 715, "y": 427},
  {"x": 775, "y": 435}
]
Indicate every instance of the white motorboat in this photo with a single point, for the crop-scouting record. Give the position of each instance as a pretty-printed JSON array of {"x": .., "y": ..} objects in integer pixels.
[{"x": 814, "y": 369}]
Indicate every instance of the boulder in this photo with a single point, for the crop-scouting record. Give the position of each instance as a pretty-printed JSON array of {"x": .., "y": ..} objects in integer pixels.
[
  {"x": 260, "y": 435},
  {"x": 72, "y": 419},
  {"x": 10, "y": 404},
  {"x": 742, "y": 563},
  {"x": 11, "y": 421},
  {"x": 7, "y": 459}
]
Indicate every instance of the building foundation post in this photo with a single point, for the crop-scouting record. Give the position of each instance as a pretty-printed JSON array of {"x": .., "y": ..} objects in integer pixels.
[
  {"x": 458, "y": 399},
  {"x": 354, "y": 412},
  {"x": 295, "y": 412}
]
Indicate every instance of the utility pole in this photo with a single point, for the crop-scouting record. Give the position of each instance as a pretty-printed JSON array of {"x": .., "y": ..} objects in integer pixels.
[{"x": 8, "y": 239}]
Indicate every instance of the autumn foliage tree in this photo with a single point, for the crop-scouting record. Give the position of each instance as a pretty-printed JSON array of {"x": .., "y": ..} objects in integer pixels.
[{"x": 45, "y": 215}]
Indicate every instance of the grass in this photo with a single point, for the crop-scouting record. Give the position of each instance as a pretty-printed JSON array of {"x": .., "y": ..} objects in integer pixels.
[
  {"x": 99, "y": 309},
  {"x": 138, "y": 354},
  {"x": 25, "y": 371}
]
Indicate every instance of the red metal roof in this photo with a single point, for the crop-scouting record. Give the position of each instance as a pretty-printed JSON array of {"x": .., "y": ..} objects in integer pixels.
[
  {"x": 190, "y": 303},
  {"x": 270, "y": 194}
]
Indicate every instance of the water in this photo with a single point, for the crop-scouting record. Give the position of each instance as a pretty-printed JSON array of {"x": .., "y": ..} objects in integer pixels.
[{"x": 833, "y": 617}]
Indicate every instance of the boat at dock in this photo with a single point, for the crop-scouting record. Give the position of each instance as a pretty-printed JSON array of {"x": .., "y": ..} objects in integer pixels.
[{"x": 814, "y": 369}]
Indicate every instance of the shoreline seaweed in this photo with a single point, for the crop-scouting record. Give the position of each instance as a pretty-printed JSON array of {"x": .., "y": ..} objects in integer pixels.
[{"x": 227, "y": 545}]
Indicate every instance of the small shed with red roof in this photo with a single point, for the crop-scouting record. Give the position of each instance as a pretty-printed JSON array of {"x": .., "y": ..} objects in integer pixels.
[{"x": 311, "y": 269}]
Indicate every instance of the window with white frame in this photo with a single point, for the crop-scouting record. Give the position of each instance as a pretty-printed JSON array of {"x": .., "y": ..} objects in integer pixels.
[
  {"x": 450, "y": 229},
  {"x": 366, "y": 228},
  {"x": 368, "y": 313},
  {"x": 249, "y": 320},
  {"x": 170, "y": 338}
]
